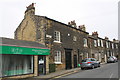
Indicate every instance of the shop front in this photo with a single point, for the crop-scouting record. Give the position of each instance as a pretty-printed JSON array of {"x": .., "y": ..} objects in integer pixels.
[{"x": 18, "y": 60}]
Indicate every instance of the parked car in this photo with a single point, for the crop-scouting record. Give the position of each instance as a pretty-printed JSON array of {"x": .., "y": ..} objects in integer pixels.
[
  {"x": 89, "y": 63},
  {"x": 112, "y": 59}
]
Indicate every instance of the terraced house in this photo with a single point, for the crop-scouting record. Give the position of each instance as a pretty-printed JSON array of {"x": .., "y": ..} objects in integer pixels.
[{"x": 68, "y": 43}]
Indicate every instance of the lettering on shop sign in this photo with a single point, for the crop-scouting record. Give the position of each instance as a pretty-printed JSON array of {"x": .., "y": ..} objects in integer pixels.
[
  {"x": 16, "y": 50},
  {"x": 39, "y": 51}
]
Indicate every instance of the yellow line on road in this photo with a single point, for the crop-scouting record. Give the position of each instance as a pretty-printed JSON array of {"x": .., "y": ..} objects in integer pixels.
[{"x": 63, "y": 75}]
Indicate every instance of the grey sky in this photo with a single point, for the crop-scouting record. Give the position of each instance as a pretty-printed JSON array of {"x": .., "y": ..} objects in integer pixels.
[{"x": 97, "y": 15}]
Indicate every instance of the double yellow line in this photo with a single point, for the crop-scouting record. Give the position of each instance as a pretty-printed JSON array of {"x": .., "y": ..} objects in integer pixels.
[{"x": 63, "y": 75}]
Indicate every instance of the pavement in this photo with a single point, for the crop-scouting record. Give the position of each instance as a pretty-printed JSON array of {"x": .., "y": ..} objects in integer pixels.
[{"x": 60, "y": 73}]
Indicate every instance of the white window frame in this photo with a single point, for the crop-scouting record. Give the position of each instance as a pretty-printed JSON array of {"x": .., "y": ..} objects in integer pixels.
[
  {"x": 57, "y": 57},
  {"x": 57, "y": 37},
  {"x": 107, "y": 44},
  {"x": 112, "y": 46},
  {"x": 74, "y": 38},
  {"x": 95, "y": 43},
  {"x": 85, "y": 42},
  {"x": 98, "y": 42},
  {"x": 102, "y": 43},
  {"x": 116, "y": 46}
]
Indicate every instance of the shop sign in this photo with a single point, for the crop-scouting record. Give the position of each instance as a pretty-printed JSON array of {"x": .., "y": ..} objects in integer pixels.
[{"x": 23, "y": 50}]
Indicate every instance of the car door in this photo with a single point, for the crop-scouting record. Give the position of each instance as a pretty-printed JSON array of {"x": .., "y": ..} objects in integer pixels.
[{"x": 96, "y": 62}]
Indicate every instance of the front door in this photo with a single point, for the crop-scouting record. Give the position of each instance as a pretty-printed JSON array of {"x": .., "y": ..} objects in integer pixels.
[
  {"x": 68, "y": 59},
  {"x": 41, "y": 65},
  {"x": 75, "y": 61}
]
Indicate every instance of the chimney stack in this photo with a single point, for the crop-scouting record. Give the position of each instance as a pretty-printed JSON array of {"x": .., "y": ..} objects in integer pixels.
[
  {"x": 82, "y": 27},
  {"x": 72, "y": 23},
  {"x": 95, "y": 34},
  {"x": 30, "y": 10},
  {"x": 106, "y": 38}
]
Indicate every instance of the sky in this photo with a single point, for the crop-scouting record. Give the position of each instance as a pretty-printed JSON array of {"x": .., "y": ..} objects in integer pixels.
[{"x": 96, "y": 15}]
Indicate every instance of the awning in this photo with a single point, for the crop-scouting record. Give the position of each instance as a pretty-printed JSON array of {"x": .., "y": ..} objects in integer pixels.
[
  {"x": 23, "y": 47},
  {"x": 23, "y": 50}
]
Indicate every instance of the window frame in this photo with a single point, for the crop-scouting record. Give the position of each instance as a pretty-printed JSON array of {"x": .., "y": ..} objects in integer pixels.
[
  {"x": 57, "y": 37},
  {"x": 95, "y": 43},
  {"x": 58, "y": 57},
  {"x": 85, "y": 42}
]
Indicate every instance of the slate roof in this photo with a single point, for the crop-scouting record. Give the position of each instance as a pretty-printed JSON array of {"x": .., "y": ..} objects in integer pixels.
[
  {"x": 16, "y": 42},
  {"x": 37, "y": 19}
]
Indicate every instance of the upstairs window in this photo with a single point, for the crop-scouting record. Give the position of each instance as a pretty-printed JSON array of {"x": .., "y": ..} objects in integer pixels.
[
  {"x": 98, "y": 42},
  {"x": 112, "y": 46},
  {"x": 101, "y": 43},
  {"x": 56, "y": 36},
  {"x": 74, "y": 38},
  {"x": 85, "y": 42},
  {"x": 116, "y": 46},
  {"x": 57, "y": 57},
  {"x": 95, "y": 43},
  {"x": 107, "y": 44}
]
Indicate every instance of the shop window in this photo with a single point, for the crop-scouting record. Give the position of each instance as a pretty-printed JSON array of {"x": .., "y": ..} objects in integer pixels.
[
  {"x": 58, "y": 57},
  {"x": 16, "y": 65}
]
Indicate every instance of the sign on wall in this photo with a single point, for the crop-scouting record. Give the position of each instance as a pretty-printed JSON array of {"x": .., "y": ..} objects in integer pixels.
[{"x": 23, "y": 50}]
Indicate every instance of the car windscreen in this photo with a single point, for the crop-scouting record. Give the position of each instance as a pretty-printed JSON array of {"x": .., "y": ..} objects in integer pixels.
[{"x": 85, "y": 60}]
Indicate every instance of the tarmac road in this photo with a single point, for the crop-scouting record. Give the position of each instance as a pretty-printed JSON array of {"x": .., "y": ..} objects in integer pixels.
[{"x": 105, "y": 72}]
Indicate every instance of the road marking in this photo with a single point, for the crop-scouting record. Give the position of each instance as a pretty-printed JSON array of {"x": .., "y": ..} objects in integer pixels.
[
  {"x": 111, "y": 76},
  {"x": 63, "y": 75}
]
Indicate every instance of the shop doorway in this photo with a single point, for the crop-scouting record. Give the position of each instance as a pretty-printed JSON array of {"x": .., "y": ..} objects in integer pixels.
[
  {"x": 68, "y": 59},
  {"x": 41, "y": 65}
]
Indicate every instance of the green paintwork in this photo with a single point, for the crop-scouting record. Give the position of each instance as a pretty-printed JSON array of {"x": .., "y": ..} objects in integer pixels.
[{"x": 23, "y": 50}]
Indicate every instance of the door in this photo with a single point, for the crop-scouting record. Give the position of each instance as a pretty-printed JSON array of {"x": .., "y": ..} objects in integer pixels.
[
  {"x": 41, "y": 65},
  {"x": 75, "y": 61},
  {"x": 68, "y": 61}
]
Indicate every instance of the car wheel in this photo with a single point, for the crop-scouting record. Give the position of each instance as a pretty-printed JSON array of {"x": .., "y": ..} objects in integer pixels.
[
  {"x": 99, "y": 65},
  {"x": 82, "y": 68},
  {"x": 93, "y": 67}
]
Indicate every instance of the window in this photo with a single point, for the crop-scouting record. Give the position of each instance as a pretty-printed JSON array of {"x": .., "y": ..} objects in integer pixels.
[
  {"x": 116, "y": 46},
  {"x": 95, "y": 43},
  {"x": 16, "y": 65},
  {"x": 106, "y": 44},
  {"x": 109, "y": 45},
  {"x": 101, "y": 43},
  {"x": 85, "y": 42},
  {"x": 58, "y": 57},
  {"x": 74, "y": 38},
  {"x": 56, "y": 36},
  {"x": 98, "y": 42},
  {"x": 112, "y": 46}
]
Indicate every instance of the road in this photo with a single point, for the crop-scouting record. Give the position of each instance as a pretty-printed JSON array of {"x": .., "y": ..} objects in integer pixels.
[{"x": 107, "y": 71}]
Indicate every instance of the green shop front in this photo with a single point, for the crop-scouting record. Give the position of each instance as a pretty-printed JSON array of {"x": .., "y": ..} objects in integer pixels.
[{"x": 21, "y": 59}]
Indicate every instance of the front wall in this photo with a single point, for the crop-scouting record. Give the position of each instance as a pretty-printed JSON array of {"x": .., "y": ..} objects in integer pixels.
[
  {"x": 66, "y": 41},
  {"x": 26, "y": 30}
]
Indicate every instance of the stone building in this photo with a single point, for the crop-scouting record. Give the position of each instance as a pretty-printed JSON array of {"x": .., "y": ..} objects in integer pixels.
[
  {"x": 67, "y": 42},
  {"x": 19, "y": 58},
  {"x": 101, "y": 48}
]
